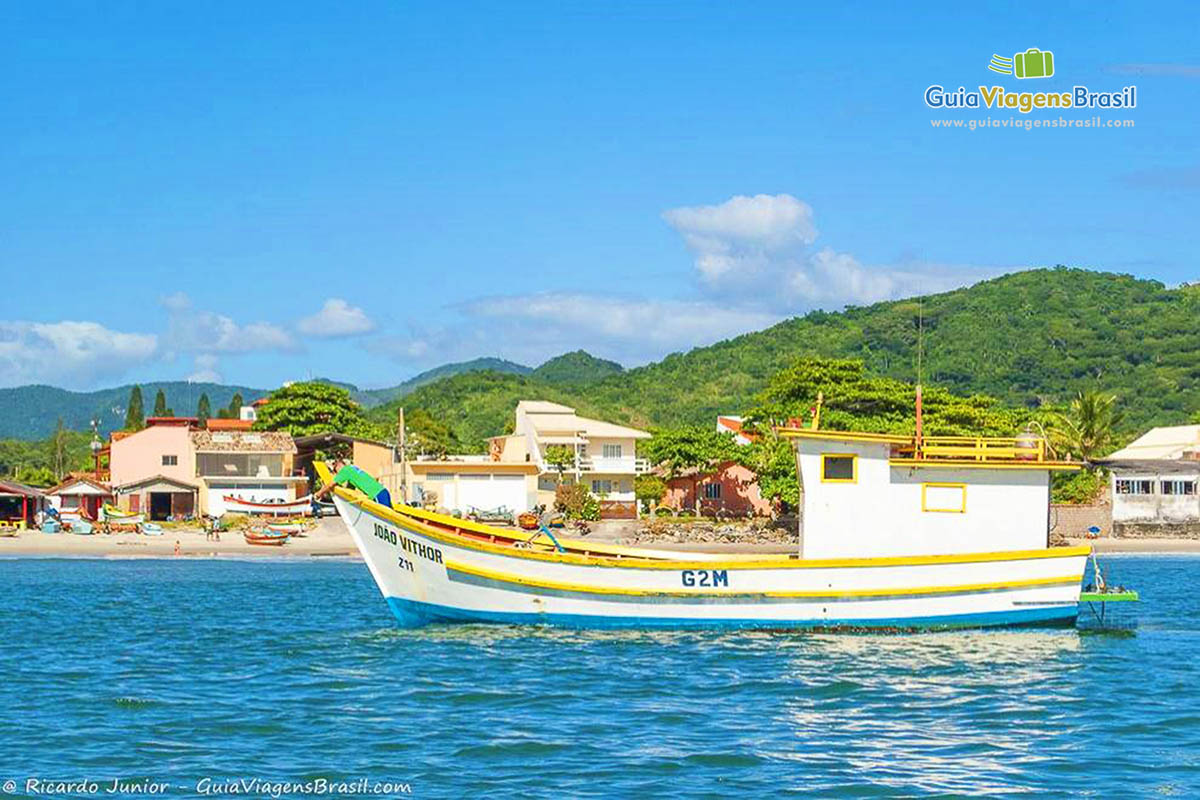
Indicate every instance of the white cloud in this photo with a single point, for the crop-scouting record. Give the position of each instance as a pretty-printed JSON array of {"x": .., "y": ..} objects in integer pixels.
[
  {"x": 531, "y": 328},
  {"x": 194, "y": 331},
  {"x": 744, "y": 234},
  {"x": 756, "y": 252},
  {"x": 336, "y": 319},
  {"x": 206, "y": 369},
  {"x": 71, "y": 353}
]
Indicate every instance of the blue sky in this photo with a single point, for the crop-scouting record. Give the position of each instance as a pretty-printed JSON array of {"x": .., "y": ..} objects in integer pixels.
[{"x": 264, "y": 192}]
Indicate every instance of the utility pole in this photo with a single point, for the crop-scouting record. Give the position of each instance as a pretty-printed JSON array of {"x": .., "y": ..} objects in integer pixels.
[{"x": 403, "y": 458}]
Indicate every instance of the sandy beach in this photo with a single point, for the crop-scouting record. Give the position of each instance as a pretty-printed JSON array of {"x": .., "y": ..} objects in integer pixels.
[{"x": 327, "y": 538}]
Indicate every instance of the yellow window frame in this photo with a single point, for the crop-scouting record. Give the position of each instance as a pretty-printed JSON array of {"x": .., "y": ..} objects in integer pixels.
[
  {"x": 853, "y": 467},
  {"x": 962, "y": 509}
]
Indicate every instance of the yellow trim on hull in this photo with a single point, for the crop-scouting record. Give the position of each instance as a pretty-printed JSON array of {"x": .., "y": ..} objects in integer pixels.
[
  {"x": 849, "y": 593},
  {"x": 635, "y": 561}
]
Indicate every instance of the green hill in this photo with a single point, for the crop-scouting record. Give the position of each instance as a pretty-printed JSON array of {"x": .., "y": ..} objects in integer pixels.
[
  {"x": 577, "y": 368},
  {"x": 31, "y": 412},
  {"x": 369, "y": 398},
  {"x": 1029, "y": 338}
]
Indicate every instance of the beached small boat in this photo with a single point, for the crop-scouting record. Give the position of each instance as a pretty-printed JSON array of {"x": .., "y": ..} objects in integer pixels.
[
  {"x": 267, "y": 539},
  {"x": 237, "y": 505},
  {"x": 150, "y": 529},
  {"x": 9, "y": 533},
  {"x": 287, "y": 528},
  {"x": 888, "y": 542},
  {"x": 112, "y": 514}
]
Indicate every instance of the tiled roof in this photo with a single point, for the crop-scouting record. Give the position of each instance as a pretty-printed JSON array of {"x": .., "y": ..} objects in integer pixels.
[
  {"x": 243, "y": 441},
  {"x": 12, "y": 487},
  {"x": 218, "y": 424}
]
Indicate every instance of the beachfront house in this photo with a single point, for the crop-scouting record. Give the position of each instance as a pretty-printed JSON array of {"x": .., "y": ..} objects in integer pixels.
[
  {"x": 602, "y": 455},
  {"x": 730, "y": 488},
  {"x": 174, "y": 468},
  {"x": 1155, "y": 483},
  {"x": 20, "y": 504},
  {"x": 80, "y": 493},
  {"x": 250, "y": 465}
]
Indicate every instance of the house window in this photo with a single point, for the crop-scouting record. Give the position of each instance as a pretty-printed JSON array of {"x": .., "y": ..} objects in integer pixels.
[
  {"x": 170, "y": 461},
  {"x": 601, "y": 487},
  {"x": 612, "y": 451},
  {"x": 1132, "y": 486},
  {"x": 839, "y": 468},
  {"x": 950, "y": 498},
  {"x": 712, "y": 491},
  {"x": 1185, "y": 486}
]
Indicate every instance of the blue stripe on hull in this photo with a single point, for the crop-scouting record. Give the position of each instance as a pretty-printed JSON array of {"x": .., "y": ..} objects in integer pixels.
[{"x": 412, "y": 613}]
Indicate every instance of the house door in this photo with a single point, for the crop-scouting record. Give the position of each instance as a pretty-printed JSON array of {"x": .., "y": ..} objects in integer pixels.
[{"x": 160, "y": 505}]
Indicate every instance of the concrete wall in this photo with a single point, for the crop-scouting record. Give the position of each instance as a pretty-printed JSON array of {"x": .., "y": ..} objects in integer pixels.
[
  {"x": 1156, "y": 507},
  {"x": 881, "y": 513}
]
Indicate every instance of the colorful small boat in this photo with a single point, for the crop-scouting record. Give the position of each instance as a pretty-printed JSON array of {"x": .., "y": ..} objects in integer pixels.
[
  {"x": 300, "y": 507},
  {"x": 9, "y": 533},
  {"x": 150, "y": 529},
  {"x": 114, "y": 515},
  {"x": 266, "y": 539},
  {"x": 287, "y": 528},
  {"x": 888, "y": 542}
]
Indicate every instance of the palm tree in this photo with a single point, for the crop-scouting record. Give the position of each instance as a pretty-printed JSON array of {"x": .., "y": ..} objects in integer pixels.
[{"x": 1088, "y": 428}]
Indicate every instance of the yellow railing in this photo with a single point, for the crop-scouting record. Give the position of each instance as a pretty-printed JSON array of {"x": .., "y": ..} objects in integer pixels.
[{"x": 973, "y": 448}]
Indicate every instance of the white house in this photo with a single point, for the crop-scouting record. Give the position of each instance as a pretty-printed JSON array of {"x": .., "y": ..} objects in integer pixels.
[
  {"x": 603, "y": 455},
  {"x": 1155, "y": 479},
  {"x": 867, "y": 494}
]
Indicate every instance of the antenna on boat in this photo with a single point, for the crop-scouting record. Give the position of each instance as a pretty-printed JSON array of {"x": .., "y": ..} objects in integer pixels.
[{"x": 920, "y": 365}]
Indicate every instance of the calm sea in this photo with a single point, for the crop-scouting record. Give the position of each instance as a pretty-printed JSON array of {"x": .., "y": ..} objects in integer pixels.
[{"x": 196, "y": 674}]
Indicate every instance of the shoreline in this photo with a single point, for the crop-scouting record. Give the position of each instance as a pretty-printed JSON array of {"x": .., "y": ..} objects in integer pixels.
[{"x": 329, "y": 539}]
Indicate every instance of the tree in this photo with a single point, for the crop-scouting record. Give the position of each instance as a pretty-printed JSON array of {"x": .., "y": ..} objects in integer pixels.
[
  {"x": 773, "y": 461},
  {"x": 560, "y": 458},
  {"x": 160, "y": 405},
  {"x": 135, "y": 416},
  {"x": 696, "y": 449},
  {"x": 203, "y": 408},
  {"x": 1088, "y": 429},
  {"x": 302, "y": 409},
  {"x": 235, "y": 406},
  {"x": 59, "y": 443},
  {"x": 426, "y": 436},
  {"x": 649, "y": 489}
]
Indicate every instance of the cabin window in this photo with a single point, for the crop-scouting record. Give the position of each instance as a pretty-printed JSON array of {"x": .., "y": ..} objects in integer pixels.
[
  {"x": 839, "y": 468},
  {"x": 170, "y": 461},
  {"x": 950, "y": 498},
  {"x": 1179, "y": 487},
  {"x": 1131, "y": 486},
  {"x": 712, "y": 491}
]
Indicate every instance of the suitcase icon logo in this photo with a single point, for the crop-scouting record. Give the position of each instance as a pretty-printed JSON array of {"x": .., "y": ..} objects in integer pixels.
[{"x": 1033, "y": 63}]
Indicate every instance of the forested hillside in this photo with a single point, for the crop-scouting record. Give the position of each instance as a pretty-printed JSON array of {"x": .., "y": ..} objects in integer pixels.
[{"x": 1030, "y": 339}]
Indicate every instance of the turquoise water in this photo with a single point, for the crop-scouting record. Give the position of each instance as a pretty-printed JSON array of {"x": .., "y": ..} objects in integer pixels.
[{"x": 182, "y": 671}]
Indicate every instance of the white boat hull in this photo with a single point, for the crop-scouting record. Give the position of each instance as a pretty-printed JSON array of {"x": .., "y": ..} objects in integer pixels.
[
  {"x": 430, "y": 575},
  {"x": 292, "y": 508}
]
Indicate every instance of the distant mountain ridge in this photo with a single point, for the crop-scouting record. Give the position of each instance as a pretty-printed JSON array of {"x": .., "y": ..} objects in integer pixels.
[{"x": 32, "y": 412}]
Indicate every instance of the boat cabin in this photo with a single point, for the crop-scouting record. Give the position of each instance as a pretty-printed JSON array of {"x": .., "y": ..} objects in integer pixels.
[{"x": 868, "y": 495}]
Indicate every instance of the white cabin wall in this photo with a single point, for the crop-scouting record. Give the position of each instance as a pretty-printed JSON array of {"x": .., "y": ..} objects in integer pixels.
[{"x": 881, "y": 514}]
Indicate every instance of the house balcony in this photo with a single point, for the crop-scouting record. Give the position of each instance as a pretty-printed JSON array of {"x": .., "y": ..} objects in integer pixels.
[{"x": 625, "y": 465}]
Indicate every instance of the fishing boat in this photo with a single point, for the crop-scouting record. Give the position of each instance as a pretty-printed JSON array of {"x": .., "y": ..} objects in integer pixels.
[
  {"x": 898, "y": 533},
  {"x": 301, "y": 507},
  {"x": 265, "y": 538}
]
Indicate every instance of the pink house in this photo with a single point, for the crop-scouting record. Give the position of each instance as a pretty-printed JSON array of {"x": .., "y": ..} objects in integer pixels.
[
  {"x": 154, "y": 469},
  {"x": 733, "y": 488}
]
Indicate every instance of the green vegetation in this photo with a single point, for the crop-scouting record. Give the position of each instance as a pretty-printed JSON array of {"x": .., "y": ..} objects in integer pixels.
[
  {"x": 30, "y": 412},
  {"x": 690, "y": 449},
  {"x": 46, "y": 461},
  {"x": 303, "y": 409},
  {"x": 1019, "y": 343},
  {"x": 578, "y": 368},
  {"x": 203, "y": 409},
  {"x": 1088, "y": 429},
  {"x": 161, "y": 409},
  {"x": 574, "y": 501},
  {"x": 135, "y": 416},
  {"x": 560, "y": 458}
]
